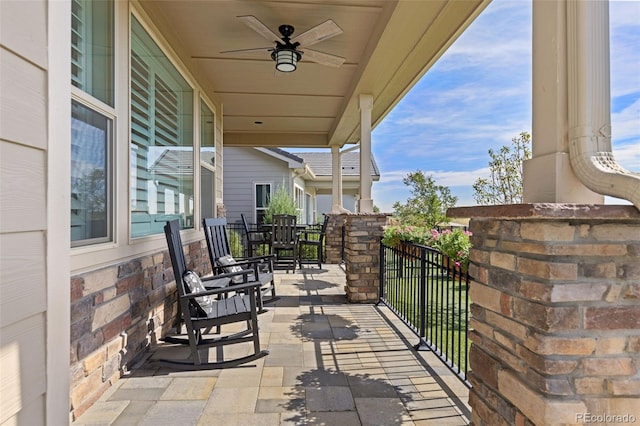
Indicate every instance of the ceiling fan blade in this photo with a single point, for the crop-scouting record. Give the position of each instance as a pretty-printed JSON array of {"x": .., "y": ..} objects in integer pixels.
[
  {"x": 322, "y": 58},
  {"x": 318, "y": 33},
  {"x": 255, "y": 49},
  {"x": 255, "y": 24}
]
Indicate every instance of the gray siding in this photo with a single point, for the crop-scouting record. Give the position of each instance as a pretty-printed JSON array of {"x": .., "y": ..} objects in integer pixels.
[{"x": 244, "y": 167}]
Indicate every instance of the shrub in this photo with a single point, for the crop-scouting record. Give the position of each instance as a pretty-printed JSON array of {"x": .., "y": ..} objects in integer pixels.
[
  {"x": 280, "y": 202},
  {"x": 455, "y": 243}
]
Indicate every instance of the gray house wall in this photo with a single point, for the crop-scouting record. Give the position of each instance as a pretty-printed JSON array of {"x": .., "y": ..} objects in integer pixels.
[{"x": 245, "y": 167}]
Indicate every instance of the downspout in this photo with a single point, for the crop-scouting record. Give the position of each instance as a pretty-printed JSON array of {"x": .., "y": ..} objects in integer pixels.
[{"x": 590, "y": 151}]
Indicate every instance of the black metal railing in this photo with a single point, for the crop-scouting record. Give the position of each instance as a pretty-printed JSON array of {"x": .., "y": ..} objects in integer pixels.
[{"x": 431, "y": 296}]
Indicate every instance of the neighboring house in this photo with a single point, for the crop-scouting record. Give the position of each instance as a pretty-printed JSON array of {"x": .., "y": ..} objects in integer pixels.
[{"x": 252, "y": 174}]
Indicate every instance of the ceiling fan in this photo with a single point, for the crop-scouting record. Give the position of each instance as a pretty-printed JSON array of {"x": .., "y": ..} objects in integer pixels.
[{"x": 287, "y": 51}]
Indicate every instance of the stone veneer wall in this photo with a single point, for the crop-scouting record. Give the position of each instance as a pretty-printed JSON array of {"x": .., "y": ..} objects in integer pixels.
[
  {"x": 555, "y": 314},
  {"x": 362, "y": 251},
  {"x": 116, "y": 313},
  {"x": 333, "y": 239}
]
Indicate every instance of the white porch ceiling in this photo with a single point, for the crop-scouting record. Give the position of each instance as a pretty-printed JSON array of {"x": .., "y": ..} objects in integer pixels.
[{"x": 388, "y": 46}]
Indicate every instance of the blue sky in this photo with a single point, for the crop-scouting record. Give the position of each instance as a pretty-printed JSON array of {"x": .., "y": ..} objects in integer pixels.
[{"x": 478, "y": 96}]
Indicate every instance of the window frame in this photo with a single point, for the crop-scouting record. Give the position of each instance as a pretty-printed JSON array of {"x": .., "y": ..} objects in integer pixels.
[
  {"x": 87, "y": 99},
  {"x": 211, "y": 167},
  {"x": 255, "y": 198},
  {"x": 299, "y": 199}
]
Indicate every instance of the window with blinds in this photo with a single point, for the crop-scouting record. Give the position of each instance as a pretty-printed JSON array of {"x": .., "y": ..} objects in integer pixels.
[
  {"x": 92, "y": 120},
  {"x": 162, "y": 163},
  {"x": 92, "y": 61}
]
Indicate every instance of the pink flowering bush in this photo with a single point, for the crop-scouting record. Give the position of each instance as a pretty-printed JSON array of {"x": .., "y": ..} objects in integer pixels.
[
  {"x": 393, "y": 235},
  {"x": 453, "y": 243}
]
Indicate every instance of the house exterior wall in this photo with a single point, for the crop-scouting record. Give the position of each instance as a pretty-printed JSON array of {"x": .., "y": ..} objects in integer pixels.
[
  {"x": 123, "y": 293},
  {"x": 244, "y": 168},
  {"x": 33, "y": 293},
  {"x": 93, "y": 309}
]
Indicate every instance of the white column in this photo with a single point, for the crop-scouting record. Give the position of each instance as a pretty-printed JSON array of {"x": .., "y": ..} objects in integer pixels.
[
  {"x": 548, "y": 175},
  {"x": 366, "y": 104},
  {"x": 57, "y": 317},
  {"x": 336, "y": 180}
]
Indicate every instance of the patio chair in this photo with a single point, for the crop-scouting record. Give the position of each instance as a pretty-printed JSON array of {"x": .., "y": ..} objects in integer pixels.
[
  {"x": 219, "y": 249},
  {"x": 284, "y": 237},
  {"x": 201, "y": 311},
  {"x": 313, "y": 238},
  {"x": 255, "y": 238}
]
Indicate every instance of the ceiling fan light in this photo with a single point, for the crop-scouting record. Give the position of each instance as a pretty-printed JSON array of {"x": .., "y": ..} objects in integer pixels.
[{"x": 286, "y": 60}]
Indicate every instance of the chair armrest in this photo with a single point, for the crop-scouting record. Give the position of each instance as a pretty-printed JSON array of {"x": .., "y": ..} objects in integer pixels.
[
  {"x": 214, "y": 291},
  {"x": 228, "y": 275},
  {"x": 310, "y": 232},
  {"x": 255, "y": 259},
  {"x": 215, "y": 282}
]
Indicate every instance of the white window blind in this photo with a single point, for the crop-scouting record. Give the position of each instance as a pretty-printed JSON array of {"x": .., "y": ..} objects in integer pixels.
[{"x": 161, "y": 139}]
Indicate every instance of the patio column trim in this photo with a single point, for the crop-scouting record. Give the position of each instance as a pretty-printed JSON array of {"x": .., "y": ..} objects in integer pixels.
[
  {"x": 548, "y": 176},
  {"x": 589, "y": 104},
  {"x": 336, "y": 180},
  {"x": 365, "y": 103}
]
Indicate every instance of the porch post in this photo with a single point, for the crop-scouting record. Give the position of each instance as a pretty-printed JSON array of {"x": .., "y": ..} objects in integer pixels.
[
  {"x": 336, "y": 180},
  {"x": 548, "y": 176},
  {"x": 365, "y": 103}
]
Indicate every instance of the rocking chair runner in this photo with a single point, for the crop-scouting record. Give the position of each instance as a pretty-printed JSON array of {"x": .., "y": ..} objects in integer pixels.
[
  {"x": 238, "y": 303},
  {"x": 219, "y": 249}
]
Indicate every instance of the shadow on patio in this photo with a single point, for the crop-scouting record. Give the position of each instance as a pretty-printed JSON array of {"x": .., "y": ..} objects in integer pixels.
[{"x": 330, "y": 363}]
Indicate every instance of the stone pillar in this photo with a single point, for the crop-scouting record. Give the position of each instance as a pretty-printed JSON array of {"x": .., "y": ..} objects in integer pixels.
[
  {"x": 333, "y": 239},
  {"x": 555, "y": 314},
  {"x": 362, "y": 251}
]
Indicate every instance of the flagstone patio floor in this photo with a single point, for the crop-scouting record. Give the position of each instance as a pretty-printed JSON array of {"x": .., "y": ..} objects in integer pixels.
[{"x": 330, "y": 363}]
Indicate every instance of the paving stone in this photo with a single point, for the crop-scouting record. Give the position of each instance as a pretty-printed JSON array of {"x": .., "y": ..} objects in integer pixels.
[
  {"x": 382, "y": 411},
  {"x": 329, "y": 398},
  {"x": 102, "y": 413},
  {"x": 183, "y": 413},
  {"x": 134, "y": 413}
]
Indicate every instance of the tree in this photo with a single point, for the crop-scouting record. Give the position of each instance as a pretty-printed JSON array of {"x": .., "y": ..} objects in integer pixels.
[
  {"x": 504, "y": 185},
  {"x": 428, "y": 204}
]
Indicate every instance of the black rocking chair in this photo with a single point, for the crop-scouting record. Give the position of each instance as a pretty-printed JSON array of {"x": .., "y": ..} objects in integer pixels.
[
  {"x": 201, "y": 312},
  {"x": 219, "y": 249}
]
